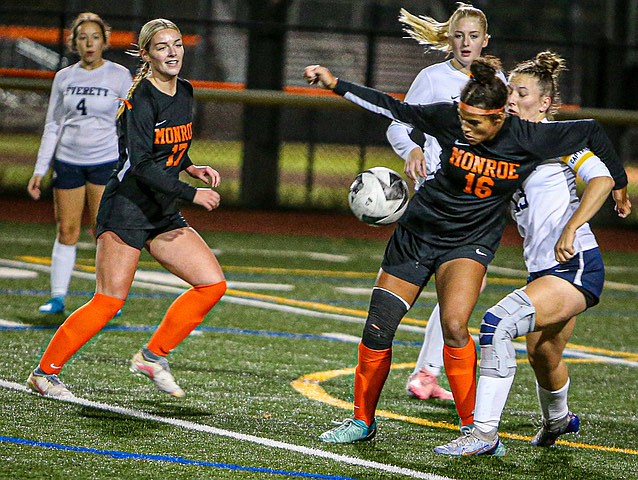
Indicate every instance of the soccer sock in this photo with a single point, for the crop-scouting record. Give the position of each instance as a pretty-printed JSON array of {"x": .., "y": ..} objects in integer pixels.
[
  {"x": 553, "y": 404},
  {"x": 460, "y": 368},
  {"x": 491, "y": 396},
  {"x": 431, "y": 354},
  {"x": 369, "y": 377},
  {"x": 62, "y": 263},
  {"x": 184, "y": 315},
  {"x": 78, "y": 329}
]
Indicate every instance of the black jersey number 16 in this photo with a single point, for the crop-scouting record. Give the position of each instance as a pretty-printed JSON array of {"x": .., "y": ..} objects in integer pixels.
[{"x": 480, "y": 187}]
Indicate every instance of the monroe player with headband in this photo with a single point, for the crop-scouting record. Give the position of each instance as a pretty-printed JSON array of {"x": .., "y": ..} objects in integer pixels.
[
  {"x": 464, "y": 35},
  {"x": 138, "y": 210},
  {"x": 453, "y": 225},
  {"x": 80, "y": 140},
  {"x": 562, "y": 284}
]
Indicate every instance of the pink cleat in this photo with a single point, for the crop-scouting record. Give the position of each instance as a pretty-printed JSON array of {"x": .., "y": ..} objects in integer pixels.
[{"x": 423, "y": 386}]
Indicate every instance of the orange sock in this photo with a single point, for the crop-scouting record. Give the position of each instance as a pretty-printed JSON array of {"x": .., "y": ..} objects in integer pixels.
[
  {"x": 460, "y": 368},
  {"x": 369, "y": 377},
  {"x": 184, "y": 315},
  {"x": 78, "y": 329}
]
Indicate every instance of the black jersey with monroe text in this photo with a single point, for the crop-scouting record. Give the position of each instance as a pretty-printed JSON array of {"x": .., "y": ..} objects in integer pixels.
[
  {"x": 154, "y": 133},
  {"x": 465, "y": 203}
]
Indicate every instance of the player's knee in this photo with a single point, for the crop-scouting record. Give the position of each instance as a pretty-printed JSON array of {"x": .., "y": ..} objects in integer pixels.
[
  {"x": 512, "y": 317},
  {"x": 384, "y": 315},
  {"x": 68, "y": 234}
]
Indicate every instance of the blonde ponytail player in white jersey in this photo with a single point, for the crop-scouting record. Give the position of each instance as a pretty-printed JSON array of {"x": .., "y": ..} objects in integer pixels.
[
  {"x": 463, "y": 35},
  {"x": 553, "y": 223}
]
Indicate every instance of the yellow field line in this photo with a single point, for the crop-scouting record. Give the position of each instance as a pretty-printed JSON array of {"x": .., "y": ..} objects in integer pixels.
[
  {"x": 322, "y": 307},
  {"x": 309, "y": 386}
]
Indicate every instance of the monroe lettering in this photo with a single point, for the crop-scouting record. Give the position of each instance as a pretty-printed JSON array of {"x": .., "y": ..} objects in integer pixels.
[
  {"x": 176, "y": 134},
  {"x": 483, "y": 166}
]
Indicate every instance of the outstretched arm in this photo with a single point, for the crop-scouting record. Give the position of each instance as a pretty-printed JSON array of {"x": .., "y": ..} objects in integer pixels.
[{"x": 430, "y": 119}]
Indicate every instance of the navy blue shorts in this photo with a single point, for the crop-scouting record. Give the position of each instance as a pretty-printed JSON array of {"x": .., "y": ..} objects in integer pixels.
[
  {"x": 412, "y": 259},
  {"x": 585, "y": 271},
  {"x": 137, "y": 238},
  {"x": 67, "y": 176}
]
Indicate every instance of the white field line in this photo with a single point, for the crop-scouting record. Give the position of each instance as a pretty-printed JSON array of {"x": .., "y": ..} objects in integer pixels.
[
  {"x": 366, "y": 291},
  {"x": 518, "y": 346},
  {"x": 6, "y": 272},
  {"x": 187, "y": 425},
  {"x": 167, "y": 278},
  {"x": 226, "y": 298},
  {"x": 324, "y": 257}
]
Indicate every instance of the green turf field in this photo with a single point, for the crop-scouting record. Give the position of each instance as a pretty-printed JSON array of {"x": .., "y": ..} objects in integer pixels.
[{"x": 271, "y": 367}]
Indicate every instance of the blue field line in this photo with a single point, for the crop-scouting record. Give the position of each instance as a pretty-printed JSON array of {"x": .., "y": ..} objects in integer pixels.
[
  {"x": 167, "y": 458},
  {"x": 234, "y": 331}
]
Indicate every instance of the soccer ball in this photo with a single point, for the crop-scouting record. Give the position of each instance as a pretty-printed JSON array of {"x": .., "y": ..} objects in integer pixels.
[{"x": 378, "y": 196}]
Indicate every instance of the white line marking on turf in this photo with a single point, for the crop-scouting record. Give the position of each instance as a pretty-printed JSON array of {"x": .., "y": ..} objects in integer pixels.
[
  {"x": 166, "y": 278},
  {"x": 9, "y": 323},
  {"x": 366, "y": 291},
  {"x": 325, "y": 257},
  {"x": 315, "y": 452},
  {"x": 342, "y": 337},
  {"x": 6, "y": 272}
]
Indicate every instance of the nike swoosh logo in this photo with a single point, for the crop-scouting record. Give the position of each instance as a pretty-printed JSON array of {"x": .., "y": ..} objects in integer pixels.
[
  {"x": 478, "y": 252},
  {"x": 455, "y": 97},
  {"x": 54, "y": 366},
  {"x": 460, "y": 144},
  {"x": 562, "y": 270},
  {"x": 161, "y": 123}
]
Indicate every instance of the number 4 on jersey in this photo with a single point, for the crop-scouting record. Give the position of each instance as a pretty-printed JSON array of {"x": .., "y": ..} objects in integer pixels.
[{"x": 82, "y": 106}]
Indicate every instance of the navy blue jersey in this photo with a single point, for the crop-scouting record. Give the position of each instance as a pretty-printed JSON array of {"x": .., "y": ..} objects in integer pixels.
[
  {"x": 465, "y": 203},
  {"x": 154, "y": 134}
]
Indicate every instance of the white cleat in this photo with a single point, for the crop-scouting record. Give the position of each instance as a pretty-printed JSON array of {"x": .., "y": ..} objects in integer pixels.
[
  {"x": 160, "y": 374},
  {"x": 48, "y": 386}
]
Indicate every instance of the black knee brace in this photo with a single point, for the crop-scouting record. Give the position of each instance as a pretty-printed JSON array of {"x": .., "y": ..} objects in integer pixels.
[{"x": 384, "y": 315}]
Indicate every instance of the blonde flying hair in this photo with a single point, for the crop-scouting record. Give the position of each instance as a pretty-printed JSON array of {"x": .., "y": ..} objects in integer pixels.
[
  {"x": 434, "y": 35},
  {"x": 83, "y": 18},
  {"x": 147, "y": 32},
  {"x": 545, "y": 68}
]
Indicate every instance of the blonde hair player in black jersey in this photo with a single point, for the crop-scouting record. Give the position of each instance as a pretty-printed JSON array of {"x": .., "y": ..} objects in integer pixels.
[
  {"x": 80, "y": 143},
  {"x": 562, "y": 284},
  {"x": 453, "y": 225},
  {"x": 138, "y": 210}
]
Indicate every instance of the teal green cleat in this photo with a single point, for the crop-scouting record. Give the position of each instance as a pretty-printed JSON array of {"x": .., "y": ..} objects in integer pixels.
[
  {"x": 54, "y": 305},
  {"x": 351, "y": 430}
]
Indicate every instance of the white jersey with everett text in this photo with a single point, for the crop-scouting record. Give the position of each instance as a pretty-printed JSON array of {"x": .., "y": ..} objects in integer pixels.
[{"x": 80, "y": 122}]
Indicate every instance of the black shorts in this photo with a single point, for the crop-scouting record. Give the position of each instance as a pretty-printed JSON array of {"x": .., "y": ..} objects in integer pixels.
[
  {"x": 67, "y": 175},
  {"x": 137, "y": 238},
  {"x": 410, "y": 258}
]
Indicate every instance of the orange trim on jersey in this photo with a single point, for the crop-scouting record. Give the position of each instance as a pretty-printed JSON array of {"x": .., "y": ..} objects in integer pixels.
[{"x": 479, "y": 111}]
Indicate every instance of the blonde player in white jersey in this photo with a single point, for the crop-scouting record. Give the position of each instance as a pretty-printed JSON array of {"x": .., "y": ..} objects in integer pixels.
[
  {"x": 552, "y": 221},
  {"x": 80, "y": 141},
  {"x": 464, "y": 35}
]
